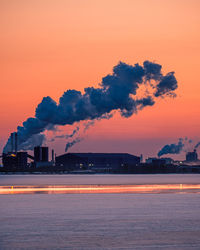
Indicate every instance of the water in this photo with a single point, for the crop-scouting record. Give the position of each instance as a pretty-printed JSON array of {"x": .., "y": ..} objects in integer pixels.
[
  {"x": 99, "y": 179},
  {"x": 100, "y": 220}
]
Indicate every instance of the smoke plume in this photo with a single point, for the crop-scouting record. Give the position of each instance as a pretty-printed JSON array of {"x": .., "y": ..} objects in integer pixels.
[
  {"x": 70, "y": 144},
  {"x": 172, "y": 148},
  {"x": 75, "y": 131},
  {"x": 117, "y": 91},
  {"x": 197, "y": 145},
  {"x": 184, "y": 144},
  {"x": 87, "y": 125}
]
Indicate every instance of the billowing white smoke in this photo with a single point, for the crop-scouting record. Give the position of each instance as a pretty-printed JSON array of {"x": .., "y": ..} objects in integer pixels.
[
  {"x": 174, "y": 148},
  {"x": 177, "y": 148},
  {"x": 117, "y": 91}
]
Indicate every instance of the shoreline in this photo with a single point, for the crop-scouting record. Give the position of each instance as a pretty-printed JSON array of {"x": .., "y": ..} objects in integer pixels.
[{"x": 92, "y": 173}]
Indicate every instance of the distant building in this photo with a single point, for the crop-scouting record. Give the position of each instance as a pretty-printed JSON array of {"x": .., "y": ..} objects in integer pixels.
[
  {"x": 96, "y": 160},
  {"x": 9, "y": 160},
  {"x": 22, "y": 159},
  {"x": 41, "y": 157},
  {"x": 159, "y": 161},
  {"x": 167, "y": 160},
  {"x": 14, "y": 160},
  {"x": 41, "y": 154},
  {"x": 192, "y": 156}
]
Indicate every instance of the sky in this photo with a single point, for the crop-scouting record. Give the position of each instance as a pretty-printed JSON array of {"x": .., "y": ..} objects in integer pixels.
[{"x": 49, "y": 46}]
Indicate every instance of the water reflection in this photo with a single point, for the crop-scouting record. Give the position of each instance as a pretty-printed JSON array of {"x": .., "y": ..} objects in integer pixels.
[{"x": 86, "y": 189}]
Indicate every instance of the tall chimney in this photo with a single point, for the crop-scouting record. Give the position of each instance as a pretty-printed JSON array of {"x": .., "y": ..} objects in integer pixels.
[
  {"x": 52, "y": 155},
  {"x": 12, "y": 145},
  {"x": 15, "y": 142},
  {"x": 40, "y": 153}
]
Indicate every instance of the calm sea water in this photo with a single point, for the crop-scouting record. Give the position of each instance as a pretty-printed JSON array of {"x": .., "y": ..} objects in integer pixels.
[{"x": 99, "y": 221}]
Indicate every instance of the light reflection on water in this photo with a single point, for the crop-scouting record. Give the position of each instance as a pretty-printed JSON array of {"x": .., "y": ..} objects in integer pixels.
[
  {"x": 100, "y": 212},
  {"x": 86, "y": 189}
]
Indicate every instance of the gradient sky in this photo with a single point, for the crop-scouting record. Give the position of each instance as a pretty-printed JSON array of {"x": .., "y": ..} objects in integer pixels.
[{"x": 49, "y": 46}]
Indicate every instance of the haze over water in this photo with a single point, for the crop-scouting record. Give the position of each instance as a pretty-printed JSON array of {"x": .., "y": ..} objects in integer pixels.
[{"x": 100, "y": 220}]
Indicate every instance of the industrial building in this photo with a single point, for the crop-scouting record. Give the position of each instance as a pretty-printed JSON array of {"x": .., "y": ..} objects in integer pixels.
[
  {"x": 41, "y": 157},
  {"x": 41, "y": 154},
  {"x": 192, "y": 156},
  {"x": 18, "y": 160},
  {"x": 159, "y": 161},
  {"x": 96, "y": 161},
  {"x": 15, "y": 160}
]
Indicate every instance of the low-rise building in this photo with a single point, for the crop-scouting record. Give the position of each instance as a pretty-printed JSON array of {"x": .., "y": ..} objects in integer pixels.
[
  {"x": 96, "y": 160},
  {"x": 192, "y": 156}
]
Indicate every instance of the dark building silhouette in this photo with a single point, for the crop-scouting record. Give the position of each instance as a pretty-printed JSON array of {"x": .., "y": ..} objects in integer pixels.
[
  {"x": 45, "y": 154},
  {"x": 96, "y": 160},
  {"x": 192, "y": 156},
  {"x": 37, "y": 154},
  {"x": 15, "y": 161},
  {"x": 22, "y": 159},
  {"x": 159, "y": 161},
  {"x": 52, "y": 156},
  {"x": 41, "y": 157},
  {"x": 9, "y": 160},
  {"x": 41, "y": 154}
]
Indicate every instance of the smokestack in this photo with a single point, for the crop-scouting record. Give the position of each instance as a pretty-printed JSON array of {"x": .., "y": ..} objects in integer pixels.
[
  {"x": 15, "y": 142},
  {"x": 52, "y": 155},
  {"x": 40, "y": 153},
  {"x": 12, "y": 145}
]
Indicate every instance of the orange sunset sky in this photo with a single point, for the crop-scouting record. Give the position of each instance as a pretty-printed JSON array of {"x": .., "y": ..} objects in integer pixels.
[{"x": 49, "y": 46}]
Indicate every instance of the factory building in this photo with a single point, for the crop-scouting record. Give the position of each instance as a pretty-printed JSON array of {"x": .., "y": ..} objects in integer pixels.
[
  {"x": 41, "y": 154},
  {"x": 155, "y": 161},
  {"x": 192, "y": 156},
  {"x": 101, "y": 161},
  {"x": 41, "y": 157},
  {"x": 22, "y": 159},
  {"x": 15, "y": 161},
  {"x": 19, "y": 160},
  {"x": 159, "y": 161}
]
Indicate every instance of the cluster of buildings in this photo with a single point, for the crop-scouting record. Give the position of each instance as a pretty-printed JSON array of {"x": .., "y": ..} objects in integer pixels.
[
  {"x": 192, "y": 156},
  {"x": 21, "y": 160},
  {"x": 99, "y": 162}
]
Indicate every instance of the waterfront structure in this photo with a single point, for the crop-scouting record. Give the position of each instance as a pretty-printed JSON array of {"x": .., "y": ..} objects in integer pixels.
[
  {"x": 41, "y": 154},
  {"x": 97, "y": 161},
  {"x": 159, "y": 161},
  {"x": 192, "y": 156},
  {"x": 41, "y": 157},
  {"x": 14, "y": 160}
]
